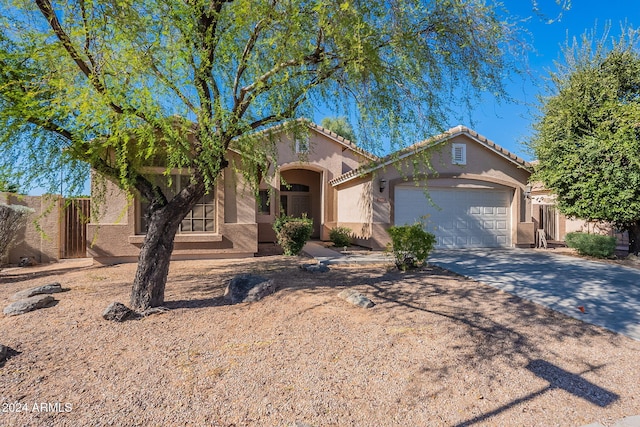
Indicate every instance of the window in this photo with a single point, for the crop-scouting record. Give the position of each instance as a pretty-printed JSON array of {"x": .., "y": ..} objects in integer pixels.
[
  {"x": 264, "y": 205},
  {"x": 201, "y": 219},
  {"x": 302, "y": 145},
  {"x": 459, "y": 154},
  {"x": 294, "y": 187}
]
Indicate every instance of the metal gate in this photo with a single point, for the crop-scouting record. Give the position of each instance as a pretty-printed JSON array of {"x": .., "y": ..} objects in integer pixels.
[
  {"x": 548, "y": 221},
  {"x": 76, "y": 214}
]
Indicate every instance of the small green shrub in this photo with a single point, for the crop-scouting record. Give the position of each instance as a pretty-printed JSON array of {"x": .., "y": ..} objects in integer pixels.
[
  {"x": 410, "y": 245},
  {"x": 340, "y": 236},
  {"x": 292, "y": 233},
  {"x": 594, "y": 245}
]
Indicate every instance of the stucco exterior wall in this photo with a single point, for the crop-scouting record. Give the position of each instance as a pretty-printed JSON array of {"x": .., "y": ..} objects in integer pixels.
[
  {"x": 42, "y": 246},
  {"x": 326, "y": 159},
  {"x": 114, "y": 234},
  {"x": 484, "y": 169}
]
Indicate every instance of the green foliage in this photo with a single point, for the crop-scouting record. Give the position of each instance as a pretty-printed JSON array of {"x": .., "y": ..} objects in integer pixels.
[
  {"x": 410, "y": 245},
  {"x": 292, "y": 233},
  {"x": 174, "y": 84},
  {"x": 13, "y": 218},
  {"x": 340, "y": 236},
  {"x": 339, "y": 125},
  {"x": 594, "y": 245},
  {"x": 588, "y": 139}
]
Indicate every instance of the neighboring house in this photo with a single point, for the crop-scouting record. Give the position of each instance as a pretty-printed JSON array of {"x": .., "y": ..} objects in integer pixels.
[{"x": 555, "y": 225}]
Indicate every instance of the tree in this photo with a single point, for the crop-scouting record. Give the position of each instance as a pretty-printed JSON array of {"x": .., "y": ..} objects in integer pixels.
[
  {"x": 339, "y": 125},
  {"x": 588, "y": 138},
  {"x": 8, "y": 187},
  {"x": 121, "y": 85}
]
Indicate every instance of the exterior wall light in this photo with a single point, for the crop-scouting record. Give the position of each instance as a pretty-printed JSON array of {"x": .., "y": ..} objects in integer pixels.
[
  {"x": 383, "y": 184},
  {"x": 527, "y": 191}
]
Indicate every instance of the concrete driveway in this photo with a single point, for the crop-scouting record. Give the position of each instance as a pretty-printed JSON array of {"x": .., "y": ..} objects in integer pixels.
[{"x": 610, "y": 294}]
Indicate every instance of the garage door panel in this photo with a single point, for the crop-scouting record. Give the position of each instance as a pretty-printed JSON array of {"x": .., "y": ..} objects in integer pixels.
[{"x": 462, "y": 218}]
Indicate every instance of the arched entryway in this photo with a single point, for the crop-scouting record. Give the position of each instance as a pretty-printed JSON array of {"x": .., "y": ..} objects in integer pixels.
[{"x": 301, "y": 194}]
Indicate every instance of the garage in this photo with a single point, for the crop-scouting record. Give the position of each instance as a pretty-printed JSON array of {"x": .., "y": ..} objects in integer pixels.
[{"x": 461, "y": 217}]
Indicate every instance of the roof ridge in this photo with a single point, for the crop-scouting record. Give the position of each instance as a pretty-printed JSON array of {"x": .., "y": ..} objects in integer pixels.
[{"x": 429, "y": 142}]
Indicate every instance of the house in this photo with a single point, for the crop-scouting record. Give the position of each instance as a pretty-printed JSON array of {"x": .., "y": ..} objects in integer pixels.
[
  {"x": 471, "y": 193},
  {"x": 476, "y": 198},
  {"x": 229, "y": 221}
]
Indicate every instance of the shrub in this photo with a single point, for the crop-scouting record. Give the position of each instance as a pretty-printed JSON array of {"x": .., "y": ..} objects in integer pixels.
[
  {"x": 594, "y": 245},
  {"x": 292, "y": 233},
  {"x": 410, "y": 245},
  {"x": 340, "y": 236},
  {"x": 12, "y": 219}
]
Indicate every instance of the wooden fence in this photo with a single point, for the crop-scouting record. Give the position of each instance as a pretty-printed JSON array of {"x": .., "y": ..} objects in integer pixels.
[{"x": 76, "y": 214}]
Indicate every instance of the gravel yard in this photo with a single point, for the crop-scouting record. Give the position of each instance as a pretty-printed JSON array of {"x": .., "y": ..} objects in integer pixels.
[{"x": 435, "y": 350}]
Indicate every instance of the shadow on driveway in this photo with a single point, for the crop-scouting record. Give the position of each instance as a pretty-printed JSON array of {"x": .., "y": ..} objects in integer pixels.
[{"x": 608, "y": 294}]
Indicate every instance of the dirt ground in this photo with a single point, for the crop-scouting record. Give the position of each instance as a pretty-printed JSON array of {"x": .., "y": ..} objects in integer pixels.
[{"x": 436, "y": 350}]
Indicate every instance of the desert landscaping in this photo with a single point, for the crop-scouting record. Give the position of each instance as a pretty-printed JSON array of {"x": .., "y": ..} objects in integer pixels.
[{"x": 435, "y": 350}]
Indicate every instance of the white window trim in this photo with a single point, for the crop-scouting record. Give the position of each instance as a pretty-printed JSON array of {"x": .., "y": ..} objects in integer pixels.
[{"x": 458, "y": 154}]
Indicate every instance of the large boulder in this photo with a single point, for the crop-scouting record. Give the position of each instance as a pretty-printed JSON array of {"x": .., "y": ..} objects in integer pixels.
[
  {"x": 315, "y": 268},
  {"x": 356, "y": 298},
  {"x": 118, "y": 312},
  {"x": 51, "y": 288},
  {"x": 248, "y": 288},
  {"x": 28, "y": 304}
]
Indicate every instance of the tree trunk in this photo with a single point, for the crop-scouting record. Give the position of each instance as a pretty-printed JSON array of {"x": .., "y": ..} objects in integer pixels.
[
  {"x": 153, "y": 261},
  {"x": 634, "y": 238}
]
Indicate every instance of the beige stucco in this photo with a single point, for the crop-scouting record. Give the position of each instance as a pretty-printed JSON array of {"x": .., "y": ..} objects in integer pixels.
[
  {"x": 486, "y": 167},
  {"x": 115, "y": 232},
  {"x": 328, "y": 157},
  {"x": 40, "y": 239}
]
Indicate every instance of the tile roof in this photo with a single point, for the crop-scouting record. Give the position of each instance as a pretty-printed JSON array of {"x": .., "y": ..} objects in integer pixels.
[{"x": 427, "y": 143}]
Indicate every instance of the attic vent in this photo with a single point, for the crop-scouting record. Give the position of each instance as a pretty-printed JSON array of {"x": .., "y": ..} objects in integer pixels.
[{"x": 459, "y": 154}]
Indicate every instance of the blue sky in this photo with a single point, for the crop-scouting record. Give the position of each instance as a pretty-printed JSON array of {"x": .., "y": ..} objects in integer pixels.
[{"x": 509, "y": 125}]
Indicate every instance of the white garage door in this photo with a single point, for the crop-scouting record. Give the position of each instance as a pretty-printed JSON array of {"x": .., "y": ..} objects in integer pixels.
[{"x": 462, "y": 218}]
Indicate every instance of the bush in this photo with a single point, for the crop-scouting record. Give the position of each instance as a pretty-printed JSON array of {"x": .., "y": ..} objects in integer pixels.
[
  {"x": 340, "y": 236},
  {"x": 12, "y": 219},
  {"x": 292, "y": 233},
  {"x": 594, "y": 245},
  {"x": 410, "y": 245}
]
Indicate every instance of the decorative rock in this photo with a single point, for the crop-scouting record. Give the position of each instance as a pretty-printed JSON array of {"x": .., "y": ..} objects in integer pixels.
[
  {"x": 118, "y": 312},
  {"x": 27, "y": 262},
  {"x": 356, "y": 298},
  {"x": 248, "y": 288},
  {"x": 28, "y": 304},
  {"x": 51, "y": 288},
  {"x": 315, "y": 268},
  {"x": 3, "y": 353}
]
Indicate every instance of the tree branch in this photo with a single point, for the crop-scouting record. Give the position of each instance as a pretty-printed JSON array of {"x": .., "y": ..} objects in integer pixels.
[
  {"x": 257, "y": 29},
  {"x": 87, "y": 39},
  {"x": 47, "y": 11},
  {"x": 171, "y": 85}
]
